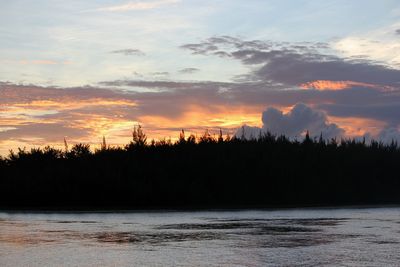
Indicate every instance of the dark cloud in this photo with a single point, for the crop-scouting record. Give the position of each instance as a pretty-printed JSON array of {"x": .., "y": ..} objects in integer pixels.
[
  {"x": 240, "y": 43},
  {"x": 388, "y": 112},
  {"x": 353, "y": 102},
  {"x": 220, "y": 44},
  {"x": 389, "y": 134},
  {"x": 294, "y": 69},
  {"x": 129, "y": 52},
  {"x": 160, "y": 73},
  {"x": 174, "y": 101},
  {"x": 277, "y": 67},
  {"x": 49, "y": 132},
  {"x": 292, "y": 64},
  {"x": 225, "y": 46},
  {"x": 222, "y": 54},
  {"x": 189, "y": 70},
  {"x": 200, "y": 49},
  {"x": 300, "y": 119},
  {"x": 11, "y": 93},
  {"x": 171, "y": 85},
  {"x": 173, "y": 97},
  {"x": 137, "y": 74},
  {"x": 397, "y": 31},
  {"x": 294, "y": 124}
]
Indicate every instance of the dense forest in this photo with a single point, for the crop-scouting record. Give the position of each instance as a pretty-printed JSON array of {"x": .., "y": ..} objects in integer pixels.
[{"x": 205, "y": 172}]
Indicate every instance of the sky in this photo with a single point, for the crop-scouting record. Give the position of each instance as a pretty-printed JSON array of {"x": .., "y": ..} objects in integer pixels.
[{"x": 81, "y": 70}]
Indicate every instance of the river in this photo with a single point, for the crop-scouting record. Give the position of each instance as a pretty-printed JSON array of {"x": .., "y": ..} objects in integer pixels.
[{"x": 296, "y": 237}]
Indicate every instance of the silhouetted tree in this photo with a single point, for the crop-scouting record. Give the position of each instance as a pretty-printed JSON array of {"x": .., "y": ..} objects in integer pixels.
[
  {"x": 103, "y": 143},
  {"x": 79, "y": 151},
  {"x": 181, "y": 139},
  {"x": 209, "y": 172},
  {"x": 65, "y": 145},
  {"x": 191, "y": 139},
  {"x": 206, "y": 137},
  {"x": 220, "y": 137},
  {"x": 139, "y": 138}
]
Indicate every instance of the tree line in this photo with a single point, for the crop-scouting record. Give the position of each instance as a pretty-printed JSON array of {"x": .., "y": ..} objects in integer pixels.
[{"x": 205, "y": 172}]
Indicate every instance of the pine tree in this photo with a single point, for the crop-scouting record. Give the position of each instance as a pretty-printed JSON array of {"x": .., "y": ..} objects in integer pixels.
[
  {"x": 104, "y": 144},
  {"x": 65, "y": 145},
  {"x": 182, "y": 139},
  {"x": 220, "y": 138}
]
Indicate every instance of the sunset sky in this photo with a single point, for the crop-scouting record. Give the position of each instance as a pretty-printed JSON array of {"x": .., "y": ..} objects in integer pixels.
[{"x": 87, "y": 69}]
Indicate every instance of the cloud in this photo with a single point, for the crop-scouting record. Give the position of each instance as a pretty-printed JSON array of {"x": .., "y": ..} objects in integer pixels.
[
  {"x": 218, "y": 44},
  {"x": 367, "y": 92},
  {"x": 160, "y": 73},
  {"x": 170, "y": 85},
  {"x": 85, "y": 113},
  {"x": 189, "y": 70},
  {"x": 377, "y": 45},
  {"x": 341, "y": 85},
  {"x": 45, "y": 114},
  {"x": 12, "y": 93},
  {"x": 385, "y": 51},
  {"x": 139, "y": 5},
  {"x": 294, "y": 124},
  {"x": 293, "y": 69},
  {"x": 44, "y": 132},
  {"x": 279, "y": 73},
  {"x": 390, "y": 134},
  {"x": 298, "y": 120},
  {"x": 389, "y": 111},
  {"x": 34, "y": 115},
  {"x": 358, "y": 101},
  {"x": 200, "y": 49},
  {"x": 36, "y": 62},
  {"x": 296, "y": 64},
  {"x": 129, "y": 52}
]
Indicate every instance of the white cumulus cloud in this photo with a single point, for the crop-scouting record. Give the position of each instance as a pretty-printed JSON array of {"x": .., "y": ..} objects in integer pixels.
[{"x": 380, "y": 45}]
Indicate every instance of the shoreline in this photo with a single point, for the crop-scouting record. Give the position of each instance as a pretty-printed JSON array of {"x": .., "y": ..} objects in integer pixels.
[{"x": 88, "y": 210}]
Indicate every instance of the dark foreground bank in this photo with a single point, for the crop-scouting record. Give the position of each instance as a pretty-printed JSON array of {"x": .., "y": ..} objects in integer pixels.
[{"x": 268, "y": 171}]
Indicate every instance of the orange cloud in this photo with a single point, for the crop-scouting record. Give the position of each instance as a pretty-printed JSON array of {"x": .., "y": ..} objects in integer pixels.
[
  {"x": 69, "y": 104},
  {"x": 100, "y": 125},
  {"x": 355, "y": 126},
  {"x": 41, "y": 122},
  {"x": 339, "y": 85}
]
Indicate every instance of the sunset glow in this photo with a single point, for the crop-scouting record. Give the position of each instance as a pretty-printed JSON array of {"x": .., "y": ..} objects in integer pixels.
[
  {"x": 336, "y": 85},
  {"x": 82, "y": 70},
  {"x": 356, "y": 127}
]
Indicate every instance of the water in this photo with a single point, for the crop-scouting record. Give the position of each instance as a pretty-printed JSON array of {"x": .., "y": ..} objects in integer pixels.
[{"x": 330, "y": 237}]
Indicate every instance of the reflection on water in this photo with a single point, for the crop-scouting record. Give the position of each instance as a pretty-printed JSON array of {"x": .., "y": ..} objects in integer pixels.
[{"x": 351, "y": 237}]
